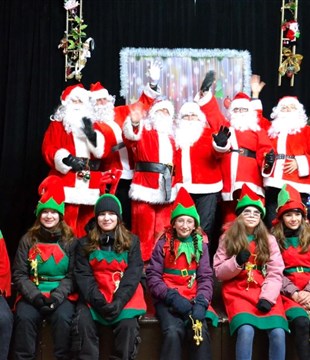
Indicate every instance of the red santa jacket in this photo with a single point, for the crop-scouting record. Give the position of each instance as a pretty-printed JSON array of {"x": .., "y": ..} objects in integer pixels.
[
  {"x": 244, "y": 162},
  {"x": 296, "y": 146},
  {"x": 197, "y": 167},
  {"x": 148, "y": 145},
  {"x": 57, "y": 145},
  {"x": 5, "y": 269}
]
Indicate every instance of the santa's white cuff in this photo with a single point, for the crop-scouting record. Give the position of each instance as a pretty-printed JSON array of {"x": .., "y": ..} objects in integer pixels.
[
  {"x": 303, "y": 165},
  {"x": 128, "y": 130},
  {"x": 204, "y": 100},
  {"x": 59, "y": 165}
]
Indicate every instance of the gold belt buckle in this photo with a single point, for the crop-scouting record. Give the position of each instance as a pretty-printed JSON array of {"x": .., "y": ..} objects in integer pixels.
[
  {"x": 299, "y": 269},
  {"x": 184, "y": 272}
]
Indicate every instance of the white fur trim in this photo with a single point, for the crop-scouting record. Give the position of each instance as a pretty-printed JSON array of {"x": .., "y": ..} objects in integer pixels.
[
  {"x": 149, "y": 92},
  {"x": 240, "y": 103},
  {"x": 163, "y": 104},
  {"x": 303, "y": 165},
  {"x": 77, "y": 93},
  {"x": 278, "y": 183},
  {"x": 152, "y": 196},
  {"x": 207, "y": 96},
  {"x": 100, "y": 94},
  {"x": 99, "y": 149},
  {"x": 81, "y": 193},
  {"x": 221, "y": 149},
  {"x": 256, "y": 104},
  {"x": 201, "y": 188},
  {"x": 238, "y": 185},
  {"x": 59, "y": 165},
  {"x": 128, "y": 130}
]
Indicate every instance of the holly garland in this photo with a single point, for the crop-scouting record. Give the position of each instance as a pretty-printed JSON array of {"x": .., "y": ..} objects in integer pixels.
[
  {"x": 73, "y": 46},
  {"x": 290, "y": 61}
]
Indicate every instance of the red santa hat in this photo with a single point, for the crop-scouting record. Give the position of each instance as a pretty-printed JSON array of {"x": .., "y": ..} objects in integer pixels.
[
  {"x": 52, "y": 195},
  {"x": 241, "y": 100},
  {"x": 288, "y": 100},
  {"x": 97, "y": 91},
  {"x": 249, "y": 198},
  {"x": 74, "y": 92},
  {"x": 192, "y": 108},
  {"x": 162, "y": 104},
  {"x": 184, "y": 205},
  {"x": 289, "y": 199}
]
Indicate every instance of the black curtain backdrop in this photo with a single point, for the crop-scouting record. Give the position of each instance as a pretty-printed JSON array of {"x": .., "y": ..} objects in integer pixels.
[{"x": 32, "y": 69}]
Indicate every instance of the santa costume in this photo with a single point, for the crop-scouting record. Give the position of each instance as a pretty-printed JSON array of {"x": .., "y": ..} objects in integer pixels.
[
  {"x": 290, "y": 136},
  {"x": 244, "y": 162},
  {"x": 152, "y": 188},
  {"x": 65, "y": 136},
  {"x": 110, "y": 120},
  {"x": 197, "y": 166}
]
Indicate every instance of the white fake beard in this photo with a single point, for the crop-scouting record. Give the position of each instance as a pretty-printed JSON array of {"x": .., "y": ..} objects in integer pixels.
[
  {"x": 104, "y": 113},
  {"x": 244, "y": 121},
  {"x": 290, "y": 122},
  {"x": 73, "y": 119},
  {"x": 162, "y": 123},
  {"x": 188, "y": 132}
]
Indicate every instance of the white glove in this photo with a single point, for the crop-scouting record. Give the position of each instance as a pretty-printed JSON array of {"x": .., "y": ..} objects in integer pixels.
[{"x": 153, "y": 72}]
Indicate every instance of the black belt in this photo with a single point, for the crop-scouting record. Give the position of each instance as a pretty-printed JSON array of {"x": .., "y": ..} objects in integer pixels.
[
  {"x": 118, "y": 147},
  {"x": 92, "y": 165},
  {"x": 283, "y": 156},
  {"x": 245, "y": 152},
  {"x": 164, "y": 169}
]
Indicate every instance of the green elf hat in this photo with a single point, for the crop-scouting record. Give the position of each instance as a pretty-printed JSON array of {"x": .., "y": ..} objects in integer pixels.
[
  {"x": 289, "y": 199},
  {"x": 184, "y": 205},
  {"x": 52, "y": 195},
  {"x": 249, "y": 198}
]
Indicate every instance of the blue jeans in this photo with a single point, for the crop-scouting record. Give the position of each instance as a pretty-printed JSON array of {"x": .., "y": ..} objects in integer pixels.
[
  {"x": 6, "y": 327},
  {"x": 244, "y": 345}
]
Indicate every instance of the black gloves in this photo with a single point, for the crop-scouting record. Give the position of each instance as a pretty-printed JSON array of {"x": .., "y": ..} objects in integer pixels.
[
  {"x": 89, "y": 131},
  {"x": 242, "y": 257},
  {"x": 45, "y": 305},
  {"x": 178, "y": 302},
  {"x": 111, "y": 311},
  {"x": 39, "y": 301},
  {"x": 263, "y": 305},
  {"x": 270, "y": 158},
  {"x": 207, "y": 81},
  {"x": 76, "y": 163},
  {"x": 222, "y": 136},
  {"x": 200, "y": 307},
  {"x": 51, "y": 304}
]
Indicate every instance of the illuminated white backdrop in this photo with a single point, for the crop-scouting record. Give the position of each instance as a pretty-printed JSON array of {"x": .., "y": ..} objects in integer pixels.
[{"x": 183, "y": 71}]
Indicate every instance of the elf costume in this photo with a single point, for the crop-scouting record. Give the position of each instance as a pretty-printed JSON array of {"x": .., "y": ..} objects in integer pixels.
[
  {"x": 180, "y": 267},
  {"x": 297, "y": 263},
  {"x": 109, "y": 284},
  {"x": 244, "y": 286},
  {"x": 42, "y": 275}
]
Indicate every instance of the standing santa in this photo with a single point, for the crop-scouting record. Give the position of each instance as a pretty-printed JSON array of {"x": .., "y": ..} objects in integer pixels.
[
  {"x": 246, "y": 159},
  {"x": 152, "y": 190},
  {"x": 290, "y": 136},
  {"x": 72, "y": 148}
]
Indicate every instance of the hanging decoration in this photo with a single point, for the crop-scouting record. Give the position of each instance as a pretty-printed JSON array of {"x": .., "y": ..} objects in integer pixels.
[
  {"x": 183, "y": 70},
  {"x": 289, "y": 60},
  {"x": 74, "y": 46}
]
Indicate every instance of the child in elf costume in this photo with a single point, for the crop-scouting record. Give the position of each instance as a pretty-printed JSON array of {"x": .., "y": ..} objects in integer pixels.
[
  {"x": 6, "y": 317},
  {"x": 42, "y": 274},
  {"x": 249, "y": 263},
  {"x": 293, "y": 234},
  {"x": 108, "y": 272},
  {"x": 180, "y": 280}
]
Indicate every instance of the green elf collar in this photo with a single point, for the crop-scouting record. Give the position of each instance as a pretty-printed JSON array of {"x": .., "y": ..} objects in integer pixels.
[{"x": 186, "y": 247}]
